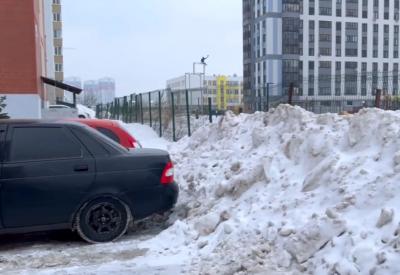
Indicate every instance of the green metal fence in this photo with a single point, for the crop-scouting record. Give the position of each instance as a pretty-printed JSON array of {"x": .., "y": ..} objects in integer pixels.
[{"x": 172, "y": 114}]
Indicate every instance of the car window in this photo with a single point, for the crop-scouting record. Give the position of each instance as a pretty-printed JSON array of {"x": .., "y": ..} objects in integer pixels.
[
  {"x": 93, "y": 145},
  {"x": 42, "y": 143},
  {"x": 2, "y": 137},
  {"x": 108, "y": 133}
]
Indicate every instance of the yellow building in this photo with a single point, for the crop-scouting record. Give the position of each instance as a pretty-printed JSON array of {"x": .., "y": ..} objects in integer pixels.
[
  {"x": 229, "y": 92},
  {"x": 226, "y": 92}
]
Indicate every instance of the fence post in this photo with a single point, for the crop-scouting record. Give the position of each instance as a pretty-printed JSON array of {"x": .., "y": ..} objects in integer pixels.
[
  {"x": 125, "y": 110},
  {"x": 141, "y": 108},
  {"x": 290, "y": 93},
  {"x": 97, "y": 111},
  {"x": 151, "y": 122},
  {"x": 159, "y": 112},
  {"x": 188, "y": 112},
  {"x": 173, "y": 116},
  {"x": 136, "y": 108},
  {"x": 115, "y": 108},
  {"x": 131, "y": 109},
  {"x": 268, "y": 97},
  {"x": 209, "y": 110},
  {"x": 111, "y": 110},
  {"x": 378, "y": 98}
]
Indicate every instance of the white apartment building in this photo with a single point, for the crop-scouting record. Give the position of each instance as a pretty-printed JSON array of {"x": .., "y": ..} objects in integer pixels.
[{"x": 326, "y": 48}]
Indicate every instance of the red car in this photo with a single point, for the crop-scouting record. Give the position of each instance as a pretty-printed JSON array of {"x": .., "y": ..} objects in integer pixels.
[{"x": 113, "y": 130}]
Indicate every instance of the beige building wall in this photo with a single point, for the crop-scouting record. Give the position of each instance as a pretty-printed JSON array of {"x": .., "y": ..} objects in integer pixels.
[{"x": 58, "y": 47}]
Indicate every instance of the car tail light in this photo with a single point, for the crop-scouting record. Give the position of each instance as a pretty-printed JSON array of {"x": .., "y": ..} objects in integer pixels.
[
  {"x": 134, "y": 143},
  {"x": 167, "y": 176}
]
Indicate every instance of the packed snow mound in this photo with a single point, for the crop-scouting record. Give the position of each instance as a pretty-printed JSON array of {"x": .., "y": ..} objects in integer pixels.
[{"x": 290, "y": 192}]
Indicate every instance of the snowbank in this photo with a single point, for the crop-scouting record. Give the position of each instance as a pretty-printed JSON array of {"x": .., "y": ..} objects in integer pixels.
[{"x": 289, "y": 192}]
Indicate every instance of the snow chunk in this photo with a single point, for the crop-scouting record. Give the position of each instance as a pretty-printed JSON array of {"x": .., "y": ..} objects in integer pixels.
[
  {"x": 207, "y": 224},
  {"x": 385, "y": 217},
  {"x": 314, "y": 235}
]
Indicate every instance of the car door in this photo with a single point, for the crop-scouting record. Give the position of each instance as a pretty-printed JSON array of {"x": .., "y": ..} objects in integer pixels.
[
  {"x": 46, "y": 172},
  {"x": 3, "y": 128}
]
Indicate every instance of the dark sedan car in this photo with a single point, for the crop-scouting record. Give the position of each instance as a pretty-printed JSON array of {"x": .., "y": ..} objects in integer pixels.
[{"x": 57, "y": 175}]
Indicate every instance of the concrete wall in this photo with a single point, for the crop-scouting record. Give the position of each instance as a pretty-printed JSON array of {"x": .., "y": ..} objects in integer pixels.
[
  {"x": 59, "y": 113},
  {"x": 23, "y": 106}
]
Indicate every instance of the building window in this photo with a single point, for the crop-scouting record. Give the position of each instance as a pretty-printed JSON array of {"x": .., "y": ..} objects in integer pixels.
[
  {"x": 58, "y": 51},
  {"x": 56, "y": 2},
  {"x": 325, "y": 7},
  {"x": 59, "y": 67},
  {"x": 386, "y": 13},
  {"x": 350, "y": 78},
  {"x": 352, "y": 8},
  {"x": 339, "y": 8},
  {"x": 57, "y": 17},
  {"x": 311, "y": 8},
  {"x": 57, "y": 33},
  {"x": 351, "y": 39}
]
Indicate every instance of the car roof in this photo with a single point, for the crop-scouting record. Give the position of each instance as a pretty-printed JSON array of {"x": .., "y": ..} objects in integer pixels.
[
  {"x": 37, "y": 121},
  {"x": 96, "y": 122}
]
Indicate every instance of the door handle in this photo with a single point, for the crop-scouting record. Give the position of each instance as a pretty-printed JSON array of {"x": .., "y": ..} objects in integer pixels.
[{"x": 81, "y": 168}]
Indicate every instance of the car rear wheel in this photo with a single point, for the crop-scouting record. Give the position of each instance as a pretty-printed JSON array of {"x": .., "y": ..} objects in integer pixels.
[{"x": 103, "y": 220}]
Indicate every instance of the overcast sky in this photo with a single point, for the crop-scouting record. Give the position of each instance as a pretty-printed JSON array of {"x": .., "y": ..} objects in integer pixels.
[{"x": 142, "y": 43}]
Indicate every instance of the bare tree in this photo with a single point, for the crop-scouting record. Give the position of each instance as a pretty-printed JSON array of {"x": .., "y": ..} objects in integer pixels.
[
  {"x": 89, "y": 99},
  {"x": 2, "y": 106}
]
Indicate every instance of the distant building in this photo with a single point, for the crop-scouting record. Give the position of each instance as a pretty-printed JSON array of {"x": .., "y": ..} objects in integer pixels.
[
  {"x": 225, "y": 91},
  {"x": 106, "y": 88},
  {"x": 49, "y": 36},
  {"x": 58, "y": 47},
  {"x": 100, "y": 91}
]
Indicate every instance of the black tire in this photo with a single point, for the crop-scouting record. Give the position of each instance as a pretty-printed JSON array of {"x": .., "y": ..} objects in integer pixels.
[
  {"x": 103, "y": 220},
  {"x": 81, "y": 116}
]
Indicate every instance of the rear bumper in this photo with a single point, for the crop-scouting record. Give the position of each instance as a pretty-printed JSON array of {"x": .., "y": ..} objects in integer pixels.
[
  {"x": 154, "y": 200},
  {"x": 169, "y": 196}
]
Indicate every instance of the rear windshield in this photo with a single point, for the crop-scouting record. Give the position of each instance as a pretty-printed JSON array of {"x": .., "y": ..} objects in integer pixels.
[
  {"x": 110, "y": 134},
  {"x": 105, "y": 139}
]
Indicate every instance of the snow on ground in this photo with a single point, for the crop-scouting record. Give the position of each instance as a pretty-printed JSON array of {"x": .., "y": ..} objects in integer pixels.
[
  {"x": 284, "y": 192},
  {"x": 146, "y": 136}
]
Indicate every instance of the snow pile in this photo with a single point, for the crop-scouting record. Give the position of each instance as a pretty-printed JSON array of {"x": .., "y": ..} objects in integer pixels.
[
  {"x": 290, "y": 192},
  {"x": 181, "y": 126},
  {"x": 145, "y": 135}
]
